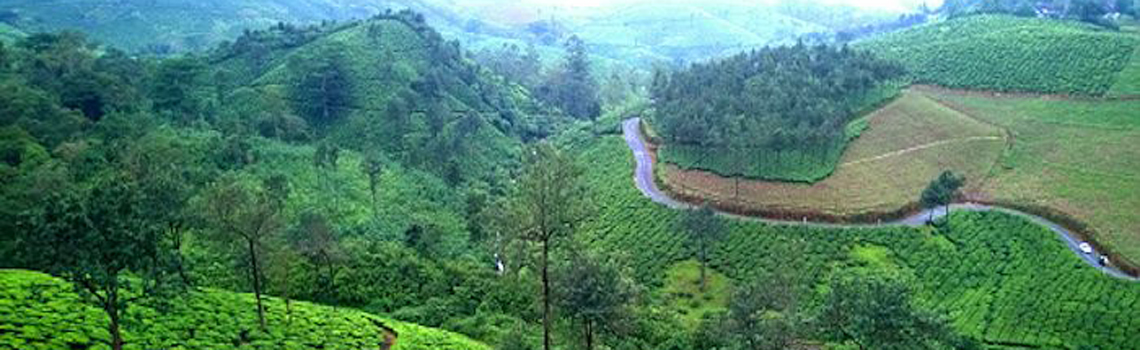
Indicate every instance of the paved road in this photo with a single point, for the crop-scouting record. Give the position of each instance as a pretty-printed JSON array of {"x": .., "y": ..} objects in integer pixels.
[{"x": 643, "y": 177}]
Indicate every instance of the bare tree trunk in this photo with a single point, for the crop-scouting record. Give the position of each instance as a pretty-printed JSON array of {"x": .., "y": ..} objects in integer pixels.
[
  {"x": 112, "y": 308},
  {"x": 589, "y": 335},
  {"x": 254, "y": 269},
  {"x": 704, "y": 260},
  {"x": 545, "y": 296}
]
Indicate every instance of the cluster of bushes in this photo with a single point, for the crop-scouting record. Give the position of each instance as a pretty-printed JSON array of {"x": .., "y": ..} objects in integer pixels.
[{"x": 1006, "y": 53}]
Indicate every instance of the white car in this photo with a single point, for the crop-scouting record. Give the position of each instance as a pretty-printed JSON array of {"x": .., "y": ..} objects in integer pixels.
[{"x": 1085, "y": 247}]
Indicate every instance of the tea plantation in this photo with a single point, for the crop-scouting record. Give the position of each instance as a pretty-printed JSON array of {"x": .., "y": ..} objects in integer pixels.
[
  {"x": 999, "y": 278},
  {"x": 38, "y": 311},
  {"x": 1006, "y": 53}
]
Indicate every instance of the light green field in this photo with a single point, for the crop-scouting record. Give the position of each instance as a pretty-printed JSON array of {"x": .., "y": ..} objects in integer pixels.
[
  {"x": 683, "y": 291},
  {"x": 1079, "y": 157},
  {"x": 38, "y": 311}
]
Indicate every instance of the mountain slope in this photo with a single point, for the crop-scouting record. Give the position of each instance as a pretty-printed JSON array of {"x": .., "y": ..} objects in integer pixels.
[
  {"x": 40, "y": 311},
  {"x": 408, "y": 93},
  {"x": 1006, "y": 53}
]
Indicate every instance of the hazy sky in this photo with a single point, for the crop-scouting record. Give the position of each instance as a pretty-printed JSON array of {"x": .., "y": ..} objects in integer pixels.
[{"x": 881, "y": 4}]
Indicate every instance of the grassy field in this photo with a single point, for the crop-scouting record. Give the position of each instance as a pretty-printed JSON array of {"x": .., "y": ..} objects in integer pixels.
[
  {"x": 908, "y": 143},
  {"x": 1079, "y": 157},
  {"x": 999, "y": 278},
  {"x": 38, "y": 311},
  {"x": 1007, "y": 53}
]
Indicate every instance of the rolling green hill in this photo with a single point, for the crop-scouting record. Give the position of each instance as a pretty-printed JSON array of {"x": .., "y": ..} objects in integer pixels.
[
  {"x": 407, "y": 93},
  {"x": 1006, "y": 53},
  {"x": 38, "y": 311},
  {"x": 185, "y": 25}
]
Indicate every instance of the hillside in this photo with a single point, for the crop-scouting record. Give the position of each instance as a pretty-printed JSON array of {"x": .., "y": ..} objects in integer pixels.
[
  {"x": 42, "y": 312},
  {"x": 1006, "y": 53},
  {"x": 404, "y": 91}
]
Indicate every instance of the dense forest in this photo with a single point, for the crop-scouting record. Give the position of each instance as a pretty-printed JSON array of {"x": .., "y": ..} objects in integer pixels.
[{"x": 782, "y": 111}]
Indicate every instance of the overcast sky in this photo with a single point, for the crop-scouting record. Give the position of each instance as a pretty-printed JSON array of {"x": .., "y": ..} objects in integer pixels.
[{"x": 898, "y": 5}]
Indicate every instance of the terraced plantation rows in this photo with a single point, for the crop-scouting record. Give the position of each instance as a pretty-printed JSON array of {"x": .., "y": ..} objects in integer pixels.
[
  {"x": 1005, "y": 53},
  {"x": 994, "y": 274},
  {"x": 38, "y": 311}
]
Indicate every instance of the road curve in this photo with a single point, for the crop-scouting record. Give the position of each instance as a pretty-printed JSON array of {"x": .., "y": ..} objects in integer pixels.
[{"x": 643, "y": 178}]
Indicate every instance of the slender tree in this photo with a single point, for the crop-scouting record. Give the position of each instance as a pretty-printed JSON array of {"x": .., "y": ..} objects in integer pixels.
[
  {"x": 547, "y": 206},
  {"x": 373, "y": 167},
  {"x": 249, "y": 214},
  {"x": 704, "y": 228},
  {"x": 593, "y": 291}
]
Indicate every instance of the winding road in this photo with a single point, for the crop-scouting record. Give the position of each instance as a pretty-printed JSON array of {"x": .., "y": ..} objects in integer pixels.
[{"x": 643, "y": 177}]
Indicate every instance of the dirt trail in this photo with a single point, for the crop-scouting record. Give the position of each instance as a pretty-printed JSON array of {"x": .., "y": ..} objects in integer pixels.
[{"x": 922, "y": 147}]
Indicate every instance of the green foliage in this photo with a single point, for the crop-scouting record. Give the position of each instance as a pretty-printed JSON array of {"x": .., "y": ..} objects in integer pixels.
[
  {"x": 1006, "y": 53},
  {"x": 573, "y": 88},
  {"x": 39, "y": 311},
  {"x": 998, "y": 278},
  {"x": 942, "y": 191},
  {"x": 778, "y": 113},
  {"x": 877, "y": 310}
]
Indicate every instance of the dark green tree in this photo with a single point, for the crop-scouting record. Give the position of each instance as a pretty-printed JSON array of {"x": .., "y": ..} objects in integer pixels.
[
  {"x": 546, "y": 207},
  {"x": 321, "y": 93},
  {"x": 593, "y": 291},
  {"x": 704, "y": 229},
  {"x": 179, "y": 88},
  {"x": 941, "y": 192},
  {"x": 98, "y": 239},
  {"x": 876, "y": 309},
  {"x": 573, "y": 88}
]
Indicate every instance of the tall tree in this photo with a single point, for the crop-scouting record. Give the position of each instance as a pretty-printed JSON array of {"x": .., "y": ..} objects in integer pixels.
[
  {"x": 573, "y": 88},
  {"x": 941, "y": 192},
  {"x": 547, "y": 205},
  {"x": 704, "y": 228},
  {"x": 593, "y": 291},
  {"x": 248, "y": 214},
  {"x": 96, "y": 239},
  {"x": 373, "y": 167}
]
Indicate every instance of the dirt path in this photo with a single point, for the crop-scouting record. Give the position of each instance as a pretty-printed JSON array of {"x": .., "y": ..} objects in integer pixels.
[
  {"x": 643, "y": 179},
  {"x": 921, "y": 147}
]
